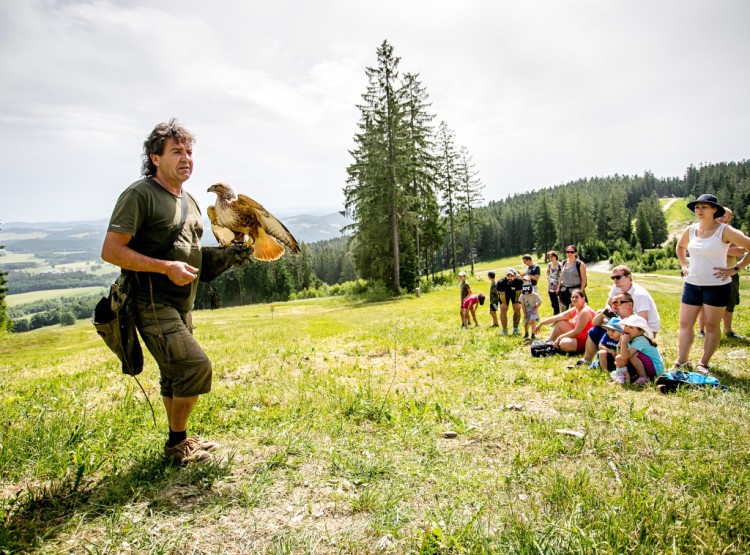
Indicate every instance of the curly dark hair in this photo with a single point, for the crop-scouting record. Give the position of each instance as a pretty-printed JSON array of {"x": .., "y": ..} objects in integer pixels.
[{"x": 154, "y": 143}]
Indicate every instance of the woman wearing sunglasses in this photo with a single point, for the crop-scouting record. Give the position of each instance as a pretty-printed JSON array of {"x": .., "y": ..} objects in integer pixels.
[{"x": 708, "y": 283}]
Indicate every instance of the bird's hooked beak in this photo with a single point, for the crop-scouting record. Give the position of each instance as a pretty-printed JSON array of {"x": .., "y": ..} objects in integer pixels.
[{"x": 222, "y": 190}]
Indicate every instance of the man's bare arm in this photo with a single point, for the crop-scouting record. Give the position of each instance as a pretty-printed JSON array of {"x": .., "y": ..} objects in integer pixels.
[{"x": 116, "y": 251}]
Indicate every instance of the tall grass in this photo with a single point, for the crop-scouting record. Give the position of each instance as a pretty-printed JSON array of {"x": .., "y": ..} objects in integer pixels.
[{"x": 332, "y": 417}]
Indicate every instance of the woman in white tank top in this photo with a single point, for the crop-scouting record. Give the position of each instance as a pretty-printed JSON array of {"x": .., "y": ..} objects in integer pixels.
[{"x": 708, "y": 282}]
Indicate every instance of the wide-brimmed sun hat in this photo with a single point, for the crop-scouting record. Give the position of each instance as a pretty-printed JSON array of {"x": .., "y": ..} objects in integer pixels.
[
  {"x": 638, "y": 322},
  {"x": 705, "y": 198}
]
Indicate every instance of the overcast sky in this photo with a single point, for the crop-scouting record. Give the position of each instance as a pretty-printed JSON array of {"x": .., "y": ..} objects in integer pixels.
[{"x": 540, "y": 92}]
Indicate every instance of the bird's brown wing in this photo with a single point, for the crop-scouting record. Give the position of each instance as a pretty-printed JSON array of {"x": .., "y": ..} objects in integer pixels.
[
  {"x": 268, "y": 222},
  {"x": 223, "y": 235}
]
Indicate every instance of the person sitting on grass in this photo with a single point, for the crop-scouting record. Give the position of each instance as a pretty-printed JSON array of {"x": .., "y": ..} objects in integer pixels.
[
  {"x": 609, "y": 344},
  {"x": 638, "y": 351},
  {"x": 530, "y": 301},
  {"x": 469, "y": 308},
  {"x": 571, "y": 326},
  {"x": 622, "y": 307}
]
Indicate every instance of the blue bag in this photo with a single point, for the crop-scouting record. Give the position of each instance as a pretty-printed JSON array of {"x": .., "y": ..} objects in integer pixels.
[{"x": 669, "y": 382}]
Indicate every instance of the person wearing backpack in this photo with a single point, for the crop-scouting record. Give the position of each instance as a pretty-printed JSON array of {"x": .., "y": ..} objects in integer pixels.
[
  {"x": 572, "y": 276},
  {"x": 553, "y": 281},
  {"x": 163, "y": 261}
]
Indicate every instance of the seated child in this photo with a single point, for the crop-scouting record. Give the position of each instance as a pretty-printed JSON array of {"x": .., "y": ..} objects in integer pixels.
[
  {"x": 469, "y": 307},
  {"x": 638, "y": 350},
  {"x": 609, "y": 344},
  {"x": 530, "y": 301}
]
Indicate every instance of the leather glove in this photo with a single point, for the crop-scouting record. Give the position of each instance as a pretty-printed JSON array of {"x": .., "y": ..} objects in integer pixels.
[{"x": 216, "y": 260}]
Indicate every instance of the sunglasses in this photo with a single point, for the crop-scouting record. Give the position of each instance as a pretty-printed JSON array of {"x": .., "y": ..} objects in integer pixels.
[
  {"x": 618, "y": 303},
  {"x": 617, "y": 277},
  {"x": 571, "y": 252}
]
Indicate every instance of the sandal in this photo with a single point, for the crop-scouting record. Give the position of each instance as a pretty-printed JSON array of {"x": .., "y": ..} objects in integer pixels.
[
  {"x": 682, "y": 367},
  {"x": 641, "y": 381},
  {"x": 703, "y": 369}
]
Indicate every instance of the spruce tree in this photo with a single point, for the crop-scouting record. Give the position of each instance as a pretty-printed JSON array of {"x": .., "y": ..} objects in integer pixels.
[
  {"x": 469, "y": 196},
  {"x": 375, "y": 196},
  {"x": 420, "y": 170},
  {"x": 448, "y": 185},
  {"x": 544, "y": 225},
  {"x": 643, "y": 228}
]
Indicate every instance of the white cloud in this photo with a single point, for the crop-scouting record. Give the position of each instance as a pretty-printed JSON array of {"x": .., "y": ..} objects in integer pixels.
[{"x": 540, "y": 93}]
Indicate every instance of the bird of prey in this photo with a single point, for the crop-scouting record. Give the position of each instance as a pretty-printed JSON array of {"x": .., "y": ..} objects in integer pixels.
[{"x": 239, "y": 219}]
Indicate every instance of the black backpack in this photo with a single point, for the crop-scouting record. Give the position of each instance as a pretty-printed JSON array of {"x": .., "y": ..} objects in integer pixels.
[
  {"x": 114, "y": 320},
  {"x": 544, "y": 348}
]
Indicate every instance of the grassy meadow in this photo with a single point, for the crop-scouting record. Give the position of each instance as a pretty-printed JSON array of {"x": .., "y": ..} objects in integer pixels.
[
  {"x": 20, "y": 299},
  {"x": 332, "y": 416}
]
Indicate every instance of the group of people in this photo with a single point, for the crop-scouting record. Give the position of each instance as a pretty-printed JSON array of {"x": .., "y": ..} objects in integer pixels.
[
  {"x": 154, "y": 236},
  {"x": 621, "y": 337},
  {"x": 516, "y": 289}
]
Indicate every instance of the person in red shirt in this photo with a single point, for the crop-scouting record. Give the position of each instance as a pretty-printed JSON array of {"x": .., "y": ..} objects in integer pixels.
[
  {"x": 469, "y": 307},
  {"x": 571, "y": 327}
]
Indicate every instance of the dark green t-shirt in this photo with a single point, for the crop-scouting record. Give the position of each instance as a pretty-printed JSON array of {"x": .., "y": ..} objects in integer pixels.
[{"x": 151, "y": 214}]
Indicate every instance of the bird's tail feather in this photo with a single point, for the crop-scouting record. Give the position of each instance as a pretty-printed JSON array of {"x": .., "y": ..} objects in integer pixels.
[{"x": 266, "y": 248}]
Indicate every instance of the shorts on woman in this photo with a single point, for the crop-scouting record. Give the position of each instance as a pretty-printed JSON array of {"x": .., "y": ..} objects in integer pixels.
[
  {"x": 581, "y": 341},
  {"x": 711, "y": 295}
]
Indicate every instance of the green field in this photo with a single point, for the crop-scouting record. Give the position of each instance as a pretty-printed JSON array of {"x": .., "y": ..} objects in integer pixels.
[
  {"x": 678, "y": 215},
  {"x": 33, "y": 296},
  {"x": 332, "y": 416}
]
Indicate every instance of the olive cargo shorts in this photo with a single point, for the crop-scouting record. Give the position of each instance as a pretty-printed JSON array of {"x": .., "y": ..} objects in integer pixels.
[{"x": 168, "y": 335}]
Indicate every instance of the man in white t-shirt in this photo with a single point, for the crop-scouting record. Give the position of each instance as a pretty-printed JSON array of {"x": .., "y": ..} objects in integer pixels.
[{"x": 643, "y": 304}]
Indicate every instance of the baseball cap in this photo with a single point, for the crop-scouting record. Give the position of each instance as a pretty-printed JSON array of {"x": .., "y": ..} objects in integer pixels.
[{"x": 613, "y": 324}]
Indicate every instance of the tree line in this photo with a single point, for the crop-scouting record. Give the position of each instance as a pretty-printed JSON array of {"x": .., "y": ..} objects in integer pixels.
[
  {"x": 408, "y": 183},
  {"x": 605, "y": 216},
  {"x": 21, "y": 281},
  {"x": 414, "y": 196}
]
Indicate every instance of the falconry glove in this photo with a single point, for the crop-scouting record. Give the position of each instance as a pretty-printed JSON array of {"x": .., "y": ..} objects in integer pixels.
[{"x": 215, "y": 261}]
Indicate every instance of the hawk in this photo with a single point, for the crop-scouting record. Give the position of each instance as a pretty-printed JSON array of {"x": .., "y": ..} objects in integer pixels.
[{"x": 239, "y": 219}]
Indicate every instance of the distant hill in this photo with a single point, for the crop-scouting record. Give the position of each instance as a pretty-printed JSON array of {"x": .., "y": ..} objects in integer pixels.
[{"x": 81, "y": 241}]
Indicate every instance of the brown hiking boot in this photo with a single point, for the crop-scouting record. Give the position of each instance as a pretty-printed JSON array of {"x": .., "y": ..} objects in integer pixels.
[
  {"x": 205, "y": 444},
  {"x": 188, "y": 450}
]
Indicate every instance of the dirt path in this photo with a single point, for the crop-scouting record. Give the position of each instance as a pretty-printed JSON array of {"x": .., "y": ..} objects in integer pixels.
[
  {"x": 603, "y": 267},
  {"x": 670, "y": 203}
]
